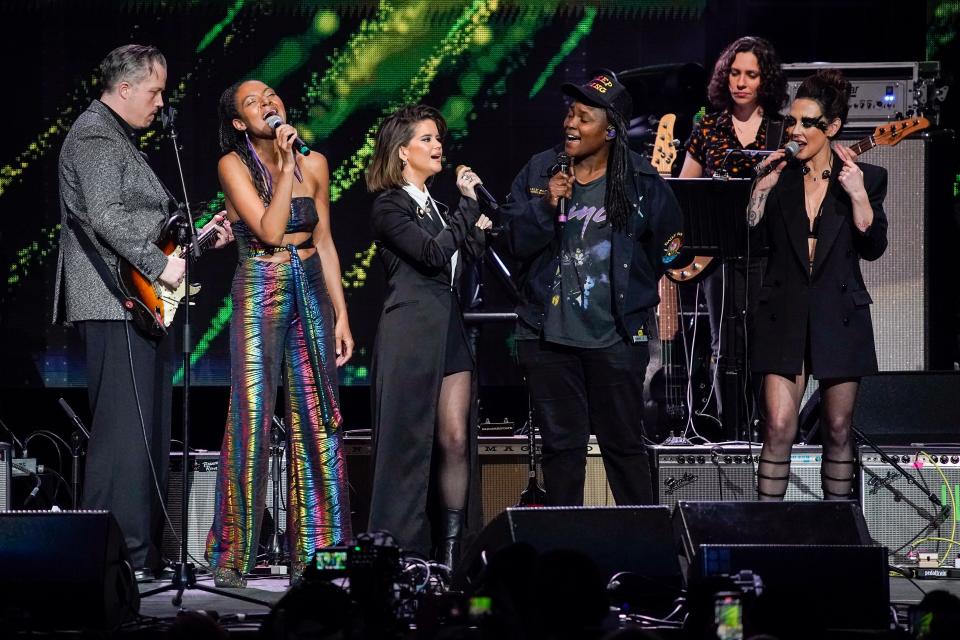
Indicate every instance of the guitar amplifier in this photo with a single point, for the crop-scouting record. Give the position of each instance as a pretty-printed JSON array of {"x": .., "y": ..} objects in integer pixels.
[
  {"x": 201, "y": 506},
  {"x": 897, "y": 512},
  {"x": 6, "y": 475},
  {"x": 504, "y": 469},
  {"x": 728, "y": 473}
]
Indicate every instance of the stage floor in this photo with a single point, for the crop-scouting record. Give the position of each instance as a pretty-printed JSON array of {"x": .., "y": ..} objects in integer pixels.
[{"x": 242, "y": 618}]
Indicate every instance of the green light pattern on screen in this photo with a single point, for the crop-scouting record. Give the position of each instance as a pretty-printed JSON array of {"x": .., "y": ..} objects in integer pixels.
[
  {"x": 942, "y": 30},
  {"x": 579, "y": 33},
  {"x": 218, "y": 28},
  {"x": 457, "y": 39},
  {"x": 33, "y": 254}
]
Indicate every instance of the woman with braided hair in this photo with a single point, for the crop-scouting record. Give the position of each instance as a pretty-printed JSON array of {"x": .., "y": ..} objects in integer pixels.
[
  {"x": 289, "y": 318},
  {"x": 589, "y": 286}
]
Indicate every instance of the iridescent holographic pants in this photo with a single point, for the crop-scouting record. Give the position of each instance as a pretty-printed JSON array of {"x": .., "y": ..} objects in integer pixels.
[{"x": 282, "y": 320}]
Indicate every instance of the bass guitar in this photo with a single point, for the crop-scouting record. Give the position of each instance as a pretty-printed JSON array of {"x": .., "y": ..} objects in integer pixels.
[
  {"x": 886, "y": 135},
  {"x": 153, "y": 304}
]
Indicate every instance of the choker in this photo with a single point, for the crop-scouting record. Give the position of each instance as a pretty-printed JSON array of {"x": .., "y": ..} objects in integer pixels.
[{"x": 825, "y": 174}]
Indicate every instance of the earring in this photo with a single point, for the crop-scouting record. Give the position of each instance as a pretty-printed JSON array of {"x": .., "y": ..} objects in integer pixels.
[
  {"x": 826, "y": 174},
  {"x": 403, "y": 164},
  {"x": 611, "y": 133}
]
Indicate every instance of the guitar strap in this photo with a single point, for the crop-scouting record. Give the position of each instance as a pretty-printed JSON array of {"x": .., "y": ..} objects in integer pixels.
[
  {"x": 96, "y": 259},
  {"x": 774, "y": 133}
]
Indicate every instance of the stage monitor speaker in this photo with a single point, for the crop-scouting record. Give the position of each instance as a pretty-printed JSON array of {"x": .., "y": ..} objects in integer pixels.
[
  {"x": 64, "y": 570},
  {"x": 830, "y": 522},
  {"x": 6, "y": 475},
  {"x": 807, "y": 589},
  {"x": 635, "y": 539},
  {"x": 902, "y": 407},
  {"x": 504, "y": 470},
  {"x": 201, "y": 506},
  {"x": 897, "y": 513},
  {"x": 728, "y": 473}
]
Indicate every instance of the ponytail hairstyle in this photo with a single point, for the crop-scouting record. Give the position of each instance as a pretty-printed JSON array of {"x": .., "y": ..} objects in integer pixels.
[
  {"x": 829, "y": 89},
  {"x": 237, "y": 141},
  {"x": 619, "y": 169}
]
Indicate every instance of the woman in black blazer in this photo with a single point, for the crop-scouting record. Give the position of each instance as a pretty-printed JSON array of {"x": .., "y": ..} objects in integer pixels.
[
  {"x": 422, "y": 391},
  {"x": 822, "y": 214}
]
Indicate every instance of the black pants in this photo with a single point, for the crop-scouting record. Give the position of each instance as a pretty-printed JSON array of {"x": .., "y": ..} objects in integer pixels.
[
  {"x": 576, "y": 391},
  {"x": 748, "y": 278},
  {"x": 117, "y": 474}
]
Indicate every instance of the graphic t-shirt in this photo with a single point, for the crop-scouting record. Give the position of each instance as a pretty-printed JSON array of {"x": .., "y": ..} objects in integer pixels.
[{"x": 580, "y": 312}]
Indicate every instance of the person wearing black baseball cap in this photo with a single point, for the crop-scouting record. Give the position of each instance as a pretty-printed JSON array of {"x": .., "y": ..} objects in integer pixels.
[{"x": 593, "y": 229}]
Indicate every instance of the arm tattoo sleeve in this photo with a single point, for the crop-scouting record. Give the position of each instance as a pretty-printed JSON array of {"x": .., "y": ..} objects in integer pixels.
[{"x": 758, "y": 202}]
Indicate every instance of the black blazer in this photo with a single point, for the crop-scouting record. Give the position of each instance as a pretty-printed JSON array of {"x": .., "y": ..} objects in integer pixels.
[
  {"x": 830, "y": 307},
  {"x": 409, "y": 356}
]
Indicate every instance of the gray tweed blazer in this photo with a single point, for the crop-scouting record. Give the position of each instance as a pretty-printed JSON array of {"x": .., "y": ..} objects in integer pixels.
[{"x": 107, "y": 187}]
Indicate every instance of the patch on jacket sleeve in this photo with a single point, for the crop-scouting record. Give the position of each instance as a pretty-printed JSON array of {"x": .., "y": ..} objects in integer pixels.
[
  {"x": 671, "y": 248},
  {"x": 536, "y": 191}
]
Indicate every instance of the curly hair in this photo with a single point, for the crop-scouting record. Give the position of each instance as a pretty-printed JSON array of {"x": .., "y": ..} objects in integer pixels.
[
  {"x": 237, "y": 142},
  {"x": 385, "y": 170},
  {"x": 773, "y": 83},
  {"x": 829, "y": 89}
]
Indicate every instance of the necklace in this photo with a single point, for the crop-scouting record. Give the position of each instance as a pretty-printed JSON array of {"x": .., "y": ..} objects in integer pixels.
[{"x": 825, "y": 174}]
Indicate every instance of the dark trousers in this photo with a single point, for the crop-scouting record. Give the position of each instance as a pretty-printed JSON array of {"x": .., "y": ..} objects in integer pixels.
[
  {"x": 748, "y": 278},
  {"x": 117, "y": 474},
  {"x": 577, "y": 391}
]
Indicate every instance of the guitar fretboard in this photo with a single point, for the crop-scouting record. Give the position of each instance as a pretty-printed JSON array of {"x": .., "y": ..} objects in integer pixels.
[{"x": 864, "y": 145}]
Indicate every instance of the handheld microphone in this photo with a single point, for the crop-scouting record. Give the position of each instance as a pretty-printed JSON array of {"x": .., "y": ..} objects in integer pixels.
[
  {"x": 790, "y": 151},
  {"x": 274, "y": 121},
  {"x": 480, "y": 190},
  {"x": 563, "y": 165}
]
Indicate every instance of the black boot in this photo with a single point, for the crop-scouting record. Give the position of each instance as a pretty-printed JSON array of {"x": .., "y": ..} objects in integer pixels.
[{"x": 450, "y": 547}]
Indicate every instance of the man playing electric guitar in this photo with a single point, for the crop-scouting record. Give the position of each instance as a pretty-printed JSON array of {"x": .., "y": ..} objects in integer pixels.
[{"x": 113, "y": 207}]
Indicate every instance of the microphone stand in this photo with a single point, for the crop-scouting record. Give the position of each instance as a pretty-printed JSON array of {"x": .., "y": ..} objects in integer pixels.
[
  {"x": 184, "y": 575},
  {"x": 76, "y": 450}
]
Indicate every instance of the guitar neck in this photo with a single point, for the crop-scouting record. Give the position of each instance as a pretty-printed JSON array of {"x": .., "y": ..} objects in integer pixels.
[
  {"x": 864, "y": 145},
  {"x": 207, "y": 238}
]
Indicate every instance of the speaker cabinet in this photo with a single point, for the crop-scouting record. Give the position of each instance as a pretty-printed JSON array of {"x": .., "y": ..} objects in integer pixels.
[
  {"x": 909, "y": 406},
  {"x": 636, "y": 539},
  {"x": 201, "y": 505},
  {"x": 504, "y": 469},
  {"x": 67, "y": 570},
  {"x": 897, "y": 512},
  {"x": 830, "y": 522},
  {"x": 907, "y": 290},
  {"x": 728, "y": 473},
  {"x": 6, "y": 475}
]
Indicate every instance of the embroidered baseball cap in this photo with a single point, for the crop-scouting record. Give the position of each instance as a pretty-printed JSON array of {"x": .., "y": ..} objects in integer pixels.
[{"x": 603, "y": 90}]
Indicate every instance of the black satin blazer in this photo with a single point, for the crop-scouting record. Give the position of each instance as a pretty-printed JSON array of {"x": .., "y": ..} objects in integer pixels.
[{"x": 821, "y": 316}]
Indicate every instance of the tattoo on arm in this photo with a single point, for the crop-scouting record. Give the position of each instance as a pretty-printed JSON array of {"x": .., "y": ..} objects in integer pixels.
[{"x": 756, "y": 208}]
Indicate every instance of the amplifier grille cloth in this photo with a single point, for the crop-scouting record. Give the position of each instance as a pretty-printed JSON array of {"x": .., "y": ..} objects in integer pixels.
[
  {"x": 897, "y": 511},
  {"x": 697, "y": 478},
  {"x": 203, "y": 483}
]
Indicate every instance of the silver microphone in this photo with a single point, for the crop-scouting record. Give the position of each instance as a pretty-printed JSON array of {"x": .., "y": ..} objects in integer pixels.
[
  {"x": 274, "y": 121},
  {"x": 791, "y": 149}
]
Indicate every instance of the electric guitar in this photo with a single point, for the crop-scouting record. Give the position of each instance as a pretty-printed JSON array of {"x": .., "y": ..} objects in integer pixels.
[
  {"x": 887, "y": 135},
  {"x": 667, "y": 379},
  {"x": 153, "y": 304}
]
